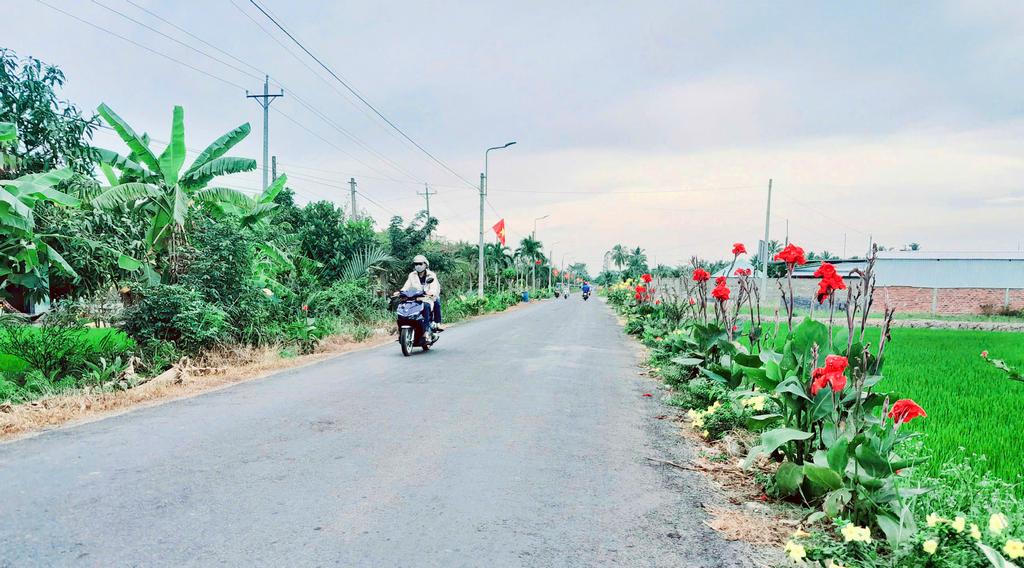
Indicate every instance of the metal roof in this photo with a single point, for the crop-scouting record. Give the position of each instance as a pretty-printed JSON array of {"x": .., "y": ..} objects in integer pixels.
[{"x": 950, "y": 255}]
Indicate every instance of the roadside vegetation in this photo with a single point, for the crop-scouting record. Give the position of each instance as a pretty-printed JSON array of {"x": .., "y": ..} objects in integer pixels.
[
  {"x": 880, "y": 433},
  {"x": 137, "y": 258}
]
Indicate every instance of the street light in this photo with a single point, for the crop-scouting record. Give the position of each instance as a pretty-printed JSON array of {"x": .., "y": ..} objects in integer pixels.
[
  {"x": 483, "y": 196},
  {"x": 551, "y": 257}
]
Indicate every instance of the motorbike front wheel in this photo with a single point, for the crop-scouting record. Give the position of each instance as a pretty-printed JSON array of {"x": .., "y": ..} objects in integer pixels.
[{"x": 406, "y": 336}]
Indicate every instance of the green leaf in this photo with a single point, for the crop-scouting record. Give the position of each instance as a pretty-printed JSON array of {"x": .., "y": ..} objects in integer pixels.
[
  {"x": 808, "y": 334},
  {"x": 822, "y": 477},
  {"x": 8, "y": 132},
  {"x": 835, "y": 501},
  {"x": 274, "y": 189},
  {"x": 115, "y": 160},
  {"x": 56, "y": 258},
  {"x": 772, "y": 439},
  {"x": 872, "y": 462},
  {"x": 173, "y": 157},
  {"x": 788, "y": 478},
  {"x": 125, "y": 194},
  {"x": 109, "y": 173},
  {"x": 838, "y": 456},
  {"x": 219, "y": 147},
  {"x": 897, "y": 530},
  {"x": 687, "y": 361},
  {"x": 128, "y": 263},
  {"x": 993, "y": 556},
  {"x": 752, "y": 361},
  {"x": 138, "y": 146},
  {"x": 199, "y": 177},
  {"x": 225, "y": 195},
  {"x": 180, "y": 210},
  {"x": 822, "y": 405}
]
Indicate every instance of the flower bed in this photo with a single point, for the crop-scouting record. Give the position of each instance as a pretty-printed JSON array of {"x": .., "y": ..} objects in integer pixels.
[{"x": 828, "y": 437}]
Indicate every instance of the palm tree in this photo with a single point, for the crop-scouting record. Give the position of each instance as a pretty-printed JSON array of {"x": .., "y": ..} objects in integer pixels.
[
  {"x": 636, "y": 263},
  {"x": 498, "y": 257},
  {"x": 157, "y": 185},
  {"x": 530, "y": 250},
  {"x": 620, "y": 255}
]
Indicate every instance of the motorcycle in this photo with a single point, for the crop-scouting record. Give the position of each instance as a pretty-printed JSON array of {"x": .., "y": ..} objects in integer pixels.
[
  {"x": 409, "y": 309},
  {"x": 585, "y": 296}
]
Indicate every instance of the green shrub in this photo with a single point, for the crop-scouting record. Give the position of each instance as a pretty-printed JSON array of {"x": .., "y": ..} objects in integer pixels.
[
  {"x": 257, "y": 319},
  {"x": 178, "y": 314},
  {"x": 59, "y": 348},
  {"x": 221, "y": 263},
  {"x": 351, "y": 300},
  {"x": 699, "y": 393}
]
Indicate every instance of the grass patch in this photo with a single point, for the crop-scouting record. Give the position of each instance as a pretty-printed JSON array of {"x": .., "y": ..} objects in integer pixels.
[
  {"x": 11, "y": 363},
  {"x": 971, "y": 405}
]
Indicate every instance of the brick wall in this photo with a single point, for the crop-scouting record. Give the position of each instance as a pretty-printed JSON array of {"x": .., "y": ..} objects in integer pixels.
[
  {"x": 946, "y": 300},
  {"x": 906, "y": 299}
]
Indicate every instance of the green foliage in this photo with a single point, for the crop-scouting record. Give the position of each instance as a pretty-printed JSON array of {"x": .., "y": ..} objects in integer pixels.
[
  {"x": 176, "y": 314},
  {"x": 351, "y": 300},
  {"x": 222, "y": 261},
  {"x": 699, "y": 393},
  {"x": 52, "y": 133}
]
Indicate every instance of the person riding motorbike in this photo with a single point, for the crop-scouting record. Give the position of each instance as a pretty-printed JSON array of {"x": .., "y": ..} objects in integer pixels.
[
  {"x": 586, "y": 289},
  {"x": 425, "y": 280}
]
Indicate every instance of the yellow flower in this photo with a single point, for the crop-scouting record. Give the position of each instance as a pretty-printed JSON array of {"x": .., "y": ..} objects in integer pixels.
[
  {"x": 997, "y": 523},
  {"x": 801, "y": 534},
  {"x": 756, "y": 403},
  {"x": 959, "y": 524},
  {"x": 975, "y": 532},
  {"x": 706, "y": 434},
  {"x": 930, "y": 546},
  {"x": 932, "y": 519},
  {"x": 853, "y": 533},
  {"x": 796, "y": 551},
  {"x": 1014, "y": 549}
]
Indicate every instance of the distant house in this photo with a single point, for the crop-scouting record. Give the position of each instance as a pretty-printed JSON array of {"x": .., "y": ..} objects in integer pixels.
[{"x": 942, "y": 282}]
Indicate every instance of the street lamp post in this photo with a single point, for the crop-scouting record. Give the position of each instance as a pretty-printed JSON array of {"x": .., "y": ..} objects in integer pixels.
[
  {"x": 551, "y": 257},
  {"x": 483, "y": 197}
]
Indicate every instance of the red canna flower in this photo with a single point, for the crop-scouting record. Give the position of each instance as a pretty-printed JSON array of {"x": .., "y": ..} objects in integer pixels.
[
  {"x": 984, "y": 354},
  {"x": 538, "y": 262},
  {"x": 647, "y": 278},
  {"x": 721, "y": 292},
  {"x": 701, "y": 275},
  {"x": 692, "y": 301},
  {"x": 743, "y": 272},
  {"x": 791, "y": 255},
  {"x": 640, "y": 289},
  {"x": 720, "y": 280},
  {"x": 657, "y": 302},
  {"x": 906, "y": 410},
  {"x": 638, "y": 296},
  {"x": 305, "y": 308},
  {"x": 738, "y": 249},
  {"x": 648, "y": 394},
  {"x": 830, "y": 281},
  {"x": 831, "y": 375}
]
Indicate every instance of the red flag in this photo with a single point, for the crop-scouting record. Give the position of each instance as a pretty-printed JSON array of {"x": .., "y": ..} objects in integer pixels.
[{"x": 499, "y": 230}]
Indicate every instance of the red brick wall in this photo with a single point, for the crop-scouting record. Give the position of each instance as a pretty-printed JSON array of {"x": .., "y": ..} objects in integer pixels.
[{"x": 946, "y": 300}]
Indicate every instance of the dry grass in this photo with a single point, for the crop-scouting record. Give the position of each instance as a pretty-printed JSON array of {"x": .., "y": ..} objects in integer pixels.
[{"x": 214, "y": 370}]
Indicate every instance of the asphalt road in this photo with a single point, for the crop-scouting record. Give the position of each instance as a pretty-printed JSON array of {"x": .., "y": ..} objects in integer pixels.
[{"x": 520, "y": 440}]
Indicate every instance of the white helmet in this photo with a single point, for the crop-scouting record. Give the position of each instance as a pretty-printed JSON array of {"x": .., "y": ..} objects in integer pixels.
[{"x": 420, "y": 259}]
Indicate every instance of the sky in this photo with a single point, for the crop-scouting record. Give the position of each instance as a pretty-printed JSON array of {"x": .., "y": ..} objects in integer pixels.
[{"x": 652, "y": 123}]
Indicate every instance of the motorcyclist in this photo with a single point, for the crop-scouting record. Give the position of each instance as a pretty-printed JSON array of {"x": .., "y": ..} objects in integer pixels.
[
  {"x": 586, "y": 288},
  {"x": 425, "y": 280}
]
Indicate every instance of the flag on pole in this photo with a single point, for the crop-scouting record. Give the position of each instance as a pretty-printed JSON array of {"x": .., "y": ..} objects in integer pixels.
[{"x": 499, "y": 230}]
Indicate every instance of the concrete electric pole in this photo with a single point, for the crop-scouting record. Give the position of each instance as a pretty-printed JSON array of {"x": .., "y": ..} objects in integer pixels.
[
  {"x": 426, "y": 194},
  {"x": 352, "y": 186},
  {"x": 264, "y": 100}
]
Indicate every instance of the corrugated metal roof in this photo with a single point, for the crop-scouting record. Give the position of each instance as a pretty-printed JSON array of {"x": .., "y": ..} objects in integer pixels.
[{"x": 950, "y": 255}]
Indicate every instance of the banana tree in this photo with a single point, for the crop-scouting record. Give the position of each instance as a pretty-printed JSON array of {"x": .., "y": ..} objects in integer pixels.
[{"x": 157, "y": 185}]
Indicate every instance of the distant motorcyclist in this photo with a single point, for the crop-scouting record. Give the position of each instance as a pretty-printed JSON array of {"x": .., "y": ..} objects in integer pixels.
[
  {"x": 425, "y": 280},
  {"x": 586, "y": 288}
]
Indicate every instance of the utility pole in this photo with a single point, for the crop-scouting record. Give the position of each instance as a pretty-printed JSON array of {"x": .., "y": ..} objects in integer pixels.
[
  {"x": 273, "y": 169},
  {"x": 352, "y": 186},
  {"x": 764, "y": 255},
  {"x": 480, "y": 268},
  {"x": 264, "y": 100},
  {"x": 844, "y": 246},
  {"x": 787, "y": 232},
  {"x": 427, "y": 193}
]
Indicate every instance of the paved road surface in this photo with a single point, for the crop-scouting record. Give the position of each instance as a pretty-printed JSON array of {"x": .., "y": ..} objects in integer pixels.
[{"x": 519, "y": 441}]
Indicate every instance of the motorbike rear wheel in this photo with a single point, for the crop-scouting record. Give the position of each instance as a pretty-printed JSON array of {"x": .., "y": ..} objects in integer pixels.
[{"x": 405, "y": 338}]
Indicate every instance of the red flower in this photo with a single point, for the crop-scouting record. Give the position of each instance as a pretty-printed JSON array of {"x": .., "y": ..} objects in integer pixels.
[
  {"x": 638, "y": 296},
  {"x": 906, "y": 410},
  {"x": 743, "y": 272},
  {"x": 738, "y": 249},
  {"x": 701, "y": 275},
  {"x": 720, "y": 280},
  {"x": 305, "y": 308},
  {"x": 641, "y": 289},
  {"x": 791, "y": 255},
  {"x": 831, "y": 375},
  {"x": 538, "y": 262},
  {"x": 647, "y": 278},
  {"x": 984, "y": 354},
  {"x": 721, "y": 292},
  {"x": 648, "y": 394},
  {"x": 692, "y": 301},
  {"x": 830, "y": 281},
  {"x": 657, "y": 302}
]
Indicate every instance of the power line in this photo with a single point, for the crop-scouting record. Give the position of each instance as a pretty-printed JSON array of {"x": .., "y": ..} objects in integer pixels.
[
  {"x": 360, "y": 97},
  {"x": 139, "y": 45}
]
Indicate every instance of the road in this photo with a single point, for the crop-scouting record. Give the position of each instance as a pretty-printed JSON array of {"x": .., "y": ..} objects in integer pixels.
[{"x": 520, "y": 440}]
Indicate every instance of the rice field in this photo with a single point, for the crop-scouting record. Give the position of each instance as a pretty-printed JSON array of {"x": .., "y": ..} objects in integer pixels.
[{"x": 972, "y": 407}]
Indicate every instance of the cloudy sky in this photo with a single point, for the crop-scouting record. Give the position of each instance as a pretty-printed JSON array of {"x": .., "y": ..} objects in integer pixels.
[{"x": 650, "y": 123}]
